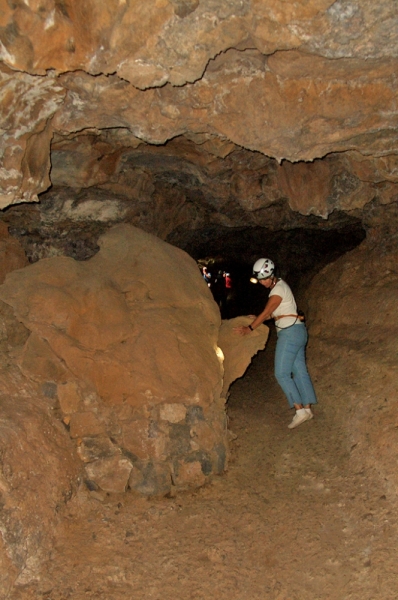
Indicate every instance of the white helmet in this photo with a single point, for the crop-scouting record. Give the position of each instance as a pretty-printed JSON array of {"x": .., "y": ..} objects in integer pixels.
[{"x": 263, "y": 268}]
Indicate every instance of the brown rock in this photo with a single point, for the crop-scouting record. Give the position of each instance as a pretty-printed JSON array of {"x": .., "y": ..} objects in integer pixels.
[
  {"x": 40, "y": 469},
  {"x": 206, "y": 434},
  {"x": 239, "y": 350},
  {"x": 137, "y": 327},
  {"x": 12, "y": 255},
  {"x": 111, "y": 474},
  {"x": 189, "y": 474},
  {"x": 145, "y": 439},
  {"x": 69, "y": 397},
  {"x": 91, "y": 449},
  {"x": 85, "y": 424}
]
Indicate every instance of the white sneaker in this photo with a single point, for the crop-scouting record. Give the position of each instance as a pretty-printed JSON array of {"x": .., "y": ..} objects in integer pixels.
[
  {"x": 300, "y": 416},
  {"x": 309, "y": 413}
]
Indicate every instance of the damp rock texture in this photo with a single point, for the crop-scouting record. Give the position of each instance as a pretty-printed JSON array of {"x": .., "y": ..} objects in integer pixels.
[
  {"x": 12, "y": 255},
  {"x": 237, "y": 354},
  {"x": 354, "y": 343},
  {"x": 128, "y": 341},
  {"x": 86, "y": 86},
  {"x": 40, "y": 472},
  {"x": 39, "y": 466}
]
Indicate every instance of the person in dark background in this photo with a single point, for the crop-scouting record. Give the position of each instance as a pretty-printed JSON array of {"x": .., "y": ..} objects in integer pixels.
[
  {"x": 206, "y": 276},
  {"x": 290, "y": 365},
  {"x": 230, "y": 301},
  {"x": 219, "y": 291},
  {"x": 228, "y": 281}
]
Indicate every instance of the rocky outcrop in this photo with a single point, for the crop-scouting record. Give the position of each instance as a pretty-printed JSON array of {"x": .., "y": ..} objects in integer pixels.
[
  {"x": 238, "y": 355},
  {"x": 293, "y": 83},
  {"x": 12, "y": 255},
  {"x": 354, "y": 332},
  {"x": 39, "y": 466},
  {"x": 128, "y": 342}
]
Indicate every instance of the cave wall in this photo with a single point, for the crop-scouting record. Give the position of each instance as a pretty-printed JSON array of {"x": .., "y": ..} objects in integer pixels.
[
  {"x": 92, "y": 84},
  {"x": 184, "y": 116},
  {"x": 39, "y": 466},
  {"x": 353, "y": 349},
  {"x": 190, "y": 119}
]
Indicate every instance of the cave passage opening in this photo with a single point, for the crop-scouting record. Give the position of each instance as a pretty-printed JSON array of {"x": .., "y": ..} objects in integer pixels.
[
  {"x": 224, "y": 211},
  {"x": 299, "y": 254}
]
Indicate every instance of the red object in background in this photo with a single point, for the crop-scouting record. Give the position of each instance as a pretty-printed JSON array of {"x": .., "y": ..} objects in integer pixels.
[{"x": 228, "y": 281}]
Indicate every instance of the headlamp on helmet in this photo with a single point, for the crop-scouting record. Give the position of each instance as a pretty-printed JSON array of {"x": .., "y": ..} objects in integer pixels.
[{"x": 263, "y": 268}]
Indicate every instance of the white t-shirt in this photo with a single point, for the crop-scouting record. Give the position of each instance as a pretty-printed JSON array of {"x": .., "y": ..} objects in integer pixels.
[{"x": 288, "y": 305}]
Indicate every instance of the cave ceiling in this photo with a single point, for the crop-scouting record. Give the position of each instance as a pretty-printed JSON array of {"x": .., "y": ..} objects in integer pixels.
[{"x": 188, "y": 115}]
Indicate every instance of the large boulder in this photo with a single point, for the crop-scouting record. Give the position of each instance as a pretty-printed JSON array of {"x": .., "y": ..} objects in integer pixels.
[
  {"x": 128, "y": 339},
  {"x": 119, "y": 385}
]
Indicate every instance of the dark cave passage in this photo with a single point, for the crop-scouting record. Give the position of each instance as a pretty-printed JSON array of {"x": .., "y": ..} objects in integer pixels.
[{"x": 298, "y": 254}]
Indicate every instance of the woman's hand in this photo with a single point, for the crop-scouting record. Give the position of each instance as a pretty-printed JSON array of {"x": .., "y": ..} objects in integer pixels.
[{"x": 242, "y": 330}]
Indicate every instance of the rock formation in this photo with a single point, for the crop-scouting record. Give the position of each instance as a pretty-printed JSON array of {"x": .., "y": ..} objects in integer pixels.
[
  {"x": 227, "y": 129},
  {"x": 129, "y": 340},
  {"x": 352, "y": 307},
  {"x": 92, "y": 84},
  {"x": 39, "y": 467},
  {"x": 238, "y": 355}
]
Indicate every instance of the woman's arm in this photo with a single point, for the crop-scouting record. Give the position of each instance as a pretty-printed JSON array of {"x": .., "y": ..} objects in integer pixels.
[{"x": 272, "y": 304}]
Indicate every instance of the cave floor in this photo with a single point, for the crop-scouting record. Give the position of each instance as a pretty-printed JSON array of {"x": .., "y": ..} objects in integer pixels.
[{"x": 290, "y": 520}]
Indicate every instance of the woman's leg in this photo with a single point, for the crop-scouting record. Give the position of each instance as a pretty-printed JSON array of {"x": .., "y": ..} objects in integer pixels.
[
  {"x": 302, "y": 379},
  {"x": 290, "y": 342}
]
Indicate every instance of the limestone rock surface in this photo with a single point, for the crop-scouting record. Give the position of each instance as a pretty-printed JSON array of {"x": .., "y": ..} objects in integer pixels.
[
  {"x": 354, "y": 329},
  {"x": 128, "y": 340},
  {"x": 150, "y": 43},
  {"x": 39, "y": 473},
  {"x": 12, "y": 255},
  {"x": 239, "y": 350},
  {"x": 91, "y": 81},
  {"x": 27, "y": 106}
]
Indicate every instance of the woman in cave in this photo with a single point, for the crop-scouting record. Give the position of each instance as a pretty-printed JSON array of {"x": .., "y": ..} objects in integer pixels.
[{"x": 290, "y": 366}]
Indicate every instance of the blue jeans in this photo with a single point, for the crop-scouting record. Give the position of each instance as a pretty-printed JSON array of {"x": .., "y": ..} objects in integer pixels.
[{"x": 290, "y": 367}]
